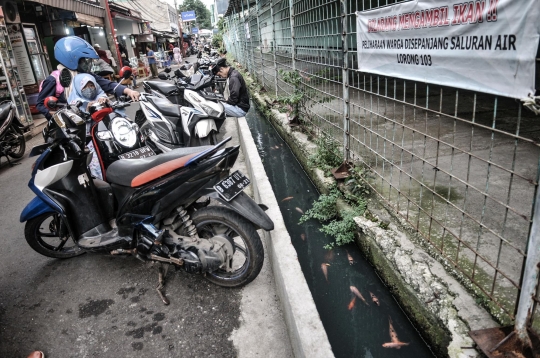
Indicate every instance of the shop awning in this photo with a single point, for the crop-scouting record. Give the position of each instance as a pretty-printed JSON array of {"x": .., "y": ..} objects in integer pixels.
[
  {"x": 89, "y": 19},
  {"x": 169, "y": 35},
  {"x": 76, "y": 6},
  {"x": 117, "y": 15},
  {"x": 145, "y": 38}
]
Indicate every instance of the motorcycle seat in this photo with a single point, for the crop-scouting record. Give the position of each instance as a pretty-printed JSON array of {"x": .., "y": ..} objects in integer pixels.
[
  {"x": 5, "y": 108},
  {"x": 137, "y": 172},
  {"x": 163, "y": 87},
  {"x": 166, "y": 107}
]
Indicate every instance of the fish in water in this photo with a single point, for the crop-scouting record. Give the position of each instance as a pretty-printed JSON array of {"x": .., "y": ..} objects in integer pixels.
[
  {"x": 349, "y": 257},
  {"x": 352, "y": 303},
  {"x": 287, "y": 198},
  {"x": 303, "y": 237},
  {"x": 299, "y": 210},
  {"x": 329, "y": 256},
  {"x": 394, "y": 340},
  {"x": 374, "y": 298},
  {"x": 358, "y": 294},
  {"x": 324, "y": 268}
]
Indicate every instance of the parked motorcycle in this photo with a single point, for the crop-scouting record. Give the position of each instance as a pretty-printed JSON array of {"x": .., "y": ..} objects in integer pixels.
[
  {"x": 166, "y": 126},
  {"x": 12, "y": 142},
  {"x": 181, "y": 208}
]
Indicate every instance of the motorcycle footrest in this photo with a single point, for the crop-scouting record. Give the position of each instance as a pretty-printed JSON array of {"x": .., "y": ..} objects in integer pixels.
[{"x": 108, "y": 241}]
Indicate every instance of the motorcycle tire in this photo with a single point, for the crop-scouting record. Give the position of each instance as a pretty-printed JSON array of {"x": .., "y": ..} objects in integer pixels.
[
  {"x": 210, "y": 139},
  {"x": 248, "y": 255},
  {"x": 35, "y": 237},
  {"x": 21, "y": 143}
]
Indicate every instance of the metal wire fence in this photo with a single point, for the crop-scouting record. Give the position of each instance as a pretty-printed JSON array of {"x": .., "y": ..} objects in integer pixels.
[{"x": 460, "y": 167}]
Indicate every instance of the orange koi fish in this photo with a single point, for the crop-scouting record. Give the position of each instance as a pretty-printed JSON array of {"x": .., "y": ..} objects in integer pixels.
[
  {"x": 349, "y": 257},
  {"x": 358, "y": 294},
  {"x": 287, "y": 198},
  {"x": 374, "y": 298},
  {"x": 394, "y": 340},
  {"x": 352, "y": 303},
  {"x": 324, "y": 268}
]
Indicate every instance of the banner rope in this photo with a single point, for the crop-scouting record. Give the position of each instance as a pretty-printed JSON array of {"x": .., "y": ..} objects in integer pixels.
[{"x": 532, "y": 103}]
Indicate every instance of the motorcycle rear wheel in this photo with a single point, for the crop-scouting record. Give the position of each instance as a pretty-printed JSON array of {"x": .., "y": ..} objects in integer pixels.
[
  {"x": 248, "y": 255},
  {"x": 42, "y": 235},
  {"x": 16, "y": 136}
]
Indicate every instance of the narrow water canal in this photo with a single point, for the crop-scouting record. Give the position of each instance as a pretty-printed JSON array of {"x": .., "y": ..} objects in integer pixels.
[{"x": 355, "y": 328}]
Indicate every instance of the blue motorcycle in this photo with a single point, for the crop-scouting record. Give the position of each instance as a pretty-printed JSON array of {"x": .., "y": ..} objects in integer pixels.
[{"x": 180, "y": 208}]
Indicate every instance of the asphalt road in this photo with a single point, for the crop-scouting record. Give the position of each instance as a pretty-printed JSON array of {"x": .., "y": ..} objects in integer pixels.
[{"x": 99, "y": 305}]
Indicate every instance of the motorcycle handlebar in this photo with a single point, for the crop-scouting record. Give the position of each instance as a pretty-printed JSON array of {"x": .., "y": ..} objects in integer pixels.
[{"x": 75, "y": 147}]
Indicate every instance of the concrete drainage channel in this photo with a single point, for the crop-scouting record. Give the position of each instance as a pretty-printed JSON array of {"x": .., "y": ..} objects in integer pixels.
[{"x": 306, "y": 332}]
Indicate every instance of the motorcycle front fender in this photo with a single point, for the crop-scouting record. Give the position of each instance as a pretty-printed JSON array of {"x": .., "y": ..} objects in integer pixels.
[
  {"x": 204, "y": 127},
  {"x": 248, "y": 208},
  {"x": 35, "y": 207}
]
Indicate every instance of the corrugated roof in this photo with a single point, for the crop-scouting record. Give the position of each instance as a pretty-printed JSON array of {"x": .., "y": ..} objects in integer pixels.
[{"x": 76, "y": 6}]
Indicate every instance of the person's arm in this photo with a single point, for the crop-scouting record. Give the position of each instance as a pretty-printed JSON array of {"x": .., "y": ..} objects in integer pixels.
[
  {"x": 48, "y": 88},
  {"x": 109, "y": 86},
  {"x": 234, "y": 91}
]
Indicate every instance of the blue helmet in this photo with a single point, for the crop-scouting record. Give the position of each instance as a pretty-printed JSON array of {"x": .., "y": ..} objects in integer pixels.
[{"x": 69, "y": 50}]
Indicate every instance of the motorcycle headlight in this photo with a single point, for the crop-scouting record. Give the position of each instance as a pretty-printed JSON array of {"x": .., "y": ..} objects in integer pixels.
[
  {"x": 124, "y": 132},
  {"x": 210, "y": 111}
]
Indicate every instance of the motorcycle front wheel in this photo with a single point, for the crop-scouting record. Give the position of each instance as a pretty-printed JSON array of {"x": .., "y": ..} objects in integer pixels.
[
  {"x": 248, "y": 255},
  {"x": 16, "y": 141},
  {"x": 210, "y": 139},
  {"x": 43, "y": 233}
]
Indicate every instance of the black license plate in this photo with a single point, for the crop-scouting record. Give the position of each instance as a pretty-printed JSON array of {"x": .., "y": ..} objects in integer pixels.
[
  {"x": 138, "y": 153},
  {"x": 233, "y": 185}
]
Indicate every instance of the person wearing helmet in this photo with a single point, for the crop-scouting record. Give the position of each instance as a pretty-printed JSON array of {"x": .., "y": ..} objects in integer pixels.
[
  {"x": 236, "y": 93},
  {"x": 127, "y": 78},
  {"x": 76, "y": 55}
]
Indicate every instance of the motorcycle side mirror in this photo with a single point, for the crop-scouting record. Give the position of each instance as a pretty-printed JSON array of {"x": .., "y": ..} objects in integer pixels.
[
  {"x": 65, "y": 78},
  {"x": 186, "y": 61},
  {"x": 167, "y": 70},
  {"x": 162, "y": 76}
]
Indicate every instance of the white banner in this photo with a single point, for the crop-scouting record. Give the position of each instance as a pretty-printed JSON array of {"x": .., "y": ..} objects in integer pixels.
[{"x": 482, "y": 45}]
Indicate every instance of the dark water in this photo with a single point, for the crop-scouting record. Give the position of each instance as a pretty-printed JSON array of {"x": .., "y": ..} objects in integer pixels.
[{"x": 361, "y": 331}]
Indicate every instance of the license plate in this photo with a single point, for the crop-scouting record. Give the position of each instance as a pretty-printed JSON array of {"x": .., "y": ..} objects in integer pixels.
[
  {"x": 231, "y": 186},
  {"x": 138, "y": 153}
]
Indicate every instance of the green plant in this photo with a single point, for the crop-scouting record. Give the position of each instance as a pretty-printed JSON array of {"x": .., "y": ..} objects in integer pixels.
[
  {"x": 302, "y": 99},
  {"x": 217, "y": 41},
  {"x": 327, "y": 155},
  {"x": 324, "y": 208},
  {"x": 342, "y": 230},
  {"x": 356, "y": 185}
]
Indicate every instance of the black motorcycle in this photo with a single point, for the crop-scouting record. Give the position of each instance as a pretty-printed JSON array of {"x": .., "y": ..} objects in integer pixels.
[
  {"x": 12, "y": 142},
  {"x": 181, "y": 208}
]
